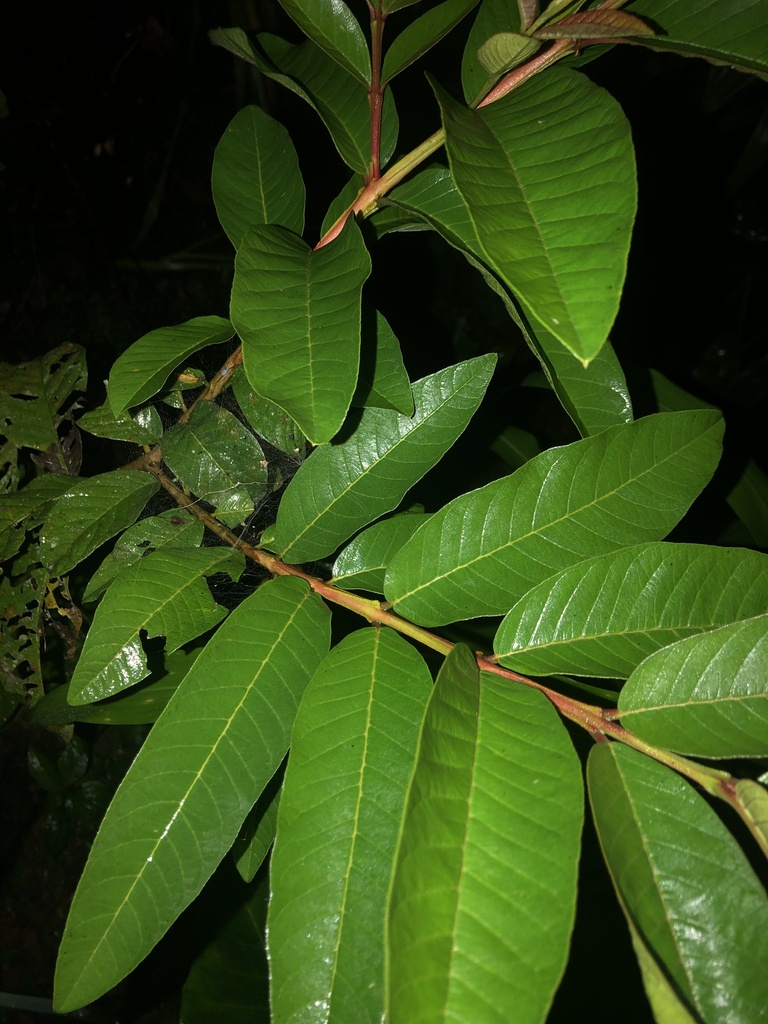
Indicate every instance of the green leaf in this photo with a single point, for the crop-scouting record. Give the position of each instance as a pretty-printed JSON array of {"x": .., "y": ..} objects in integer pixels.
[
  {"x": 36, "y": 497},
  {"x": 485, "y": 549},
  {"x": 337, "y": 96},
  {"x": 163, "y": 594},
  {"x": 687, "y": 886},
  {"x": 493, "y": 17},
  {"x": 36, "y": 397},
  {"x": 753, "y": 800},
  {"x": 297, "y": 312},
  {"x": 559, "y": 240},
  {"x": 362, "y": 564},
  {"x": 749, "y": 495},
  {"x": 267, "y": 419},
  {"x": 256, "y": 177},
  {"x": 228, "y": 981},
  {"x": 174, "y": 528},
  {"x": 140, "y": 706},
  {"x": 92, "y": 511},
  {"x": 734, "y": 33},
  {"x": 484, "y": 888},
  {"x": 382, "y": 382},
  {"x": 667, "y": 1006},
  {"x": 142, "y": 427},
  {"x": 142, "y": 370},
  {"x": 422, "y": 34},
  {"x": 180, "y": 806},
  {"x": 257, "y": 834},
  {"x": 218, "y": 459},
  {"x": 335, "y": 29},
  {"x": 352, "y": 752},
  {"x": 595, "y": 396},
  {"x": 505, "y": 51},
  {"x": 603, "y": 616},
  {"x": 515, "y": 446},
  {"x": 706, "y": 695},
  {"x": 343, "y": 487}
]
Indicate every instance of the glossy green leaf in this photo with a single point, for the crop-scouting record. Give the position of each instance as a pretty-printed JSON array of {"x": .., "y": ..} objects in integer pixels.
[
  {"x": 163, "y": 594},
  {"x": 267, "y": 419},
  {"x": 596, "y": 396},
  {"x": 559, "y": 240},
  {"x": 174, "y": 528},
  {"x": 36, "y": 397},
  {"x": 734, "y": 33},
  {"x": 333, "y": 26},
  {"x": 706, "y": 695},
  {"x": 343, "y": 487},
  {"x": 688, "y": 887},
  {"x": 179, "y": 808},
  {"x": 228, "y": 981},
  {"x": 256, "y": 177},
  {"x": 218, "y": 459},
  {"x": 142, "y": 370},
  {"x": 297, "y": 312},
  {"x": 383, "y": 381},
  {"x": 140, "y": 706},
  {"x": 422, "y": 34},
  {"x": 36, "y": 497},
  {"x": 337, "y": 96},
  {"x": 257, "y": 834},
  {"x": 667, "y": 1006},
  {"x": 142, "y": 427},
  {"x": 603, "y": 616},
  {"x": 485, "y": 549},
  {"x": 493, "y": 17},
  {"x": 352, "y": 751},
  {"x": 484, "y": 888},
  {"x": 362, "y": 564},
  {"x": 92, "y": 511}
]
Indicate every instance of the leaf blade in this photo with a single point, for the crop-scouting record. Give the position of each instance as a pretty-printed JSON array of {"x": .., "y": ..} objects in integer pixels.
[
  {"x": 706, "y": 695},
  {"x": 297, "y": 312},
  {"x": 476, "y": 931},
  {"x": 162, "y": 594},
  {"x": 352, "y": 750},
  {"x": 625, "y": 606},
  {"x": 341, "y": 488},
  {"x": 140, "y": 372},
  {"x": 685, "y": 882},
  {"x": 242, "y": 693},
  {"x": 89, "y": 513},
  {"x": 559, "y": 240},
  {"x": 486, "y": 548},
  {"x": 256, "y": 177}
]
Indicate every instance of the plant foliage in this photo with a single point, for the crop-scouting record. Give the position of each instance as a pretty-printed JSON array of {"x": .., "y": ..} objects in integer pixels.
[{"x": 423, "y": 838}]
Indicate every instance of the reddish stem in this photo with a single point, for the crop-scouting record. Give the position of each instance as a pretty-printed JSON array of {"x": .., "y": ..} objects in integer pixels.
[{"x": 376, "y": 91}]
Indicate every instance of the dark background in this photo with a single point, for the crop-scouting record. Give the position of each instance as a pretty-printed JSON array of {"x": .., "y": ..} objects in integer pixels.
[{"x": 108, "y": 230}]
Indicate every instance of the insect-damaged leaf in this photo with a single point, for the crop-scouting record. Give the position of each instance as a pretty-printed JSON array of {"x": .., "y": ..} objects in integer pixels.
[{"x": 163, "y": 594}]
